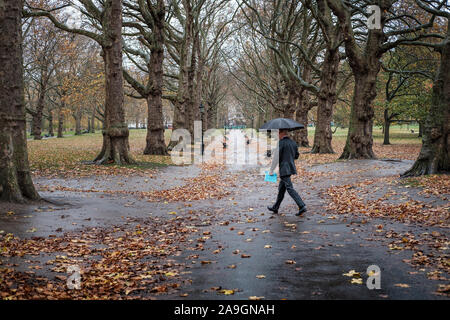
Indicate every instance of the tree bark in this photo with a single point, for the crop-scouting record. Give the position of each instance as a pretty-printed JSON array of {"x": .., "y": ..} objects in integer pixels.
[
  {"x": 359, "y": 139},
  {"x": 301, "y": 116},
  {"x": 89, "y": 124},
  {"x": 182, "y": 104},
  {"x": 434, "y": 157},
  {"x": 387, "y": 125},
  {"x": 420, "y": 130},
  {"x": 60, "y": 124},
  {"x": 16, "y": 184},
  {"x": 191, "y": 105},
  {"x": 115, "y": 143},
  {"x": 290, "y": 105},
  {"x": 365, "y": 63},
  {"x": 77, "y": 116},
  {"x": 179, "y": 120},
  {"x": 50, "y": 124},
  {"x": 303, "y": 107},
  {"x": 155, "y": 142},
  {"x": 38, "y": 114},
  {"x": 211, "y": 117},
  {"x": 326, "y": 100},
  {"x": 92, "y": 121},
  {"x": 188, "y": 60},
  {"x": 37, "y": 125}
]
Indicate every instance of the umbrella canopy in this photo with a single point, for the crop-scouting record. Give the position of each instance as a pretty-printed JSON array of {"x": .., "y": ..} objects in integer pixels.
[{"x": 281, "y": 123}]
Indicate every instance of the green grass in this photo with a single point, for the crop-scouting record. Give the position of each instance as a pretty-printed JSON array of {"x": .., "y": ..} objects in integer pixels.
[
  {"x": 73, "y": 153},
  {"x": 397, "y": 134},
  {"x": 142, "y": 165}
]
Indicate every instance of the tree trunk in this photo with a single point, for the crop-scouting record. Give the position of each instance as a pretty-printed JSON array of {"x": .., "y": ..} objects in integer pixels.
[
  {"x": 37, "y": 116},
  {"x": 190, "y": 63},
  {"x": 301, "y": 116},
  {"x": 420, "y": 130},
  {"x": 37, "y": 125},
  {"x": 260, "y": 120},
  {"x": 434, "y": 156},
  {"x": 386, "y": 126},
  {"x": 290, "y": 105},
  {"x": 89, "y": 124},
  {"x": 77, "y": 116},
  {"x": 182, "y": 102},
  {"x": 365, "y": 62},
  {"x": 326, "y": 100},
  {"x": 16, "y": 184},
  {"x": 31, "y": 125},
  {"x": 50, "y": 124},
  {"x": 60, "y": 123},
  {"x": 155, "y": 142},
  {"x": 359, "y": 139},
  {"x": 179, "y": 120},
  {"x": 92, "y": 122},
  {"x": 190, "y": 101},
  {"x": 115, "y": 143},
  {"x": 303, "y": 107},
  {"x": 211, "y": 118}
]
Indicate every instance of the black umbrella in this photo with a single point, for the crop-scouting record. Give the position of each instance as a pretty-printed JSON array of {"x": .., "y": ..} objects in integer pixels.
[{"x": 281, "y": 123}]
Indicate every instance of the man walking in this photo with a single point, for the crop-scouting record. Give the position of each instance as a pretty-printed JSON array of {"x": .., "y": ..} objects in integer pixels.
[{"x": 284, "y": 156}]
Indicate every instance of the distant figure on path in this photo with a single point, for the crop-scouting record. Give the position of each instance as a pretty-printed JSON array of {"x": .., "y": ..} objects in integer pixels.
[{"x": 284, "y": 156}]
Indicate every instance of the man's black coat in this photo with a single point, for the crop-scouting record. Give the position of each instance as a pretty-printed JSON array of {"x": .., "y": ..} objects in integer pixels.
[{"x": 286, "y": 152}]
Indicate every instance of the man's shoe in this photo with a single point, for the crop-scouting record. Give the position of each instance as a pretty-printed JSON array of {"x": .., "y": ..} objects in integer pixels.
[
  {"x": 273, "y": 210},
  {"x": 301, "y": 211}
]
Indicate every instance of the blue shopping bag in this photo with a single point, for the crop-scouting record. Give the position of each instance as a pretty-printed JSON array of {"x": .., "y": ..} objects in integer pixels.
[{"x": 270, "y": 178}]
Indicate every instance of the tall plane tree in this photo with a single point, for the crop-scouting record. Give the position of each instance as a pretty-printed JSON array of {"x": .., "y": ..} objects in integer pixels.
[
  {"x": 364, "y": 57},
  {"x": 434, "y": 156},
  {"x": 105, "y": 18},
  {"x": 326, "y": 95},
  {"x": 291, "y": 35},
  {"x": 149, "y": 21},
  {"x": 15, "y": 179}
]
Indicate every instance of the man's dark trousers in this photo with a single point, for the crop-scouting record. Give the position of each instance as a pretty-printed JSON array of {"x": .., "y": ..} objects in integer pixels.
[{"x": 286, "y": 184}]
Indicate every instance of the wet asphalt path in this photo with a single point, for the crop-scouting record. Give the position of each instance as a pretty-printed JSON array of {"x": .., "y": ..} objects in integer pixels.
[{"x": 249, "y": 250}]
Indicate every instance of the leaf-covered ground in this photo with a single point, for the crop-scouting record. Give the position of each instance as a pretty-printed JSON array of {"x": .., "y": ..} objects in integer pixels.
[
  {"x": 203, "y": 232},
  {"x": 66, "y": 157}
]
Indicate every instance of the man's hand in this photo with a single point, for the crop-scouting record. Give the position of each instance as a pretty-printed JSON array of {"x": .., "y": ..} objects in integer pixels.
[{"x": 271, "y": 173}]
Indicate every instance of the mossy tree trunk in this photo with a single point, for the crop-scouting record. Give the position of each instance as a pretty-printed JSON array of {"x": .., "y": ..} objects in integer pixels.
[
  {"x": 359, "y": 139},
  {"x": 326, "y": 98},
  {"x": 50, "y": 124},
  {"x": 78, "y": 116},
  {"x": 115, "y": 134},
  {"x": 386, "y": 127},
  {"x": 155, "y": 143},
  {"x": 301, "y": 116},
  {"x": 434, "y": 157},
  {"x": 16, "y": 184},
  {"x": 60, "y": 123}
]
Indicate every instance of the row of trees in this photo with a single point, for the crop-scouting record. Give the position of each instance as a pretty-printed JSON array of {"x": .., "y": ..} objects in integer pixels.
[
  {"x": 301, "y": 54},
  {"x": 63, "y": 78},
  {"x": 285, "y": 57},
  {"x": 172, "y": 50}
]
